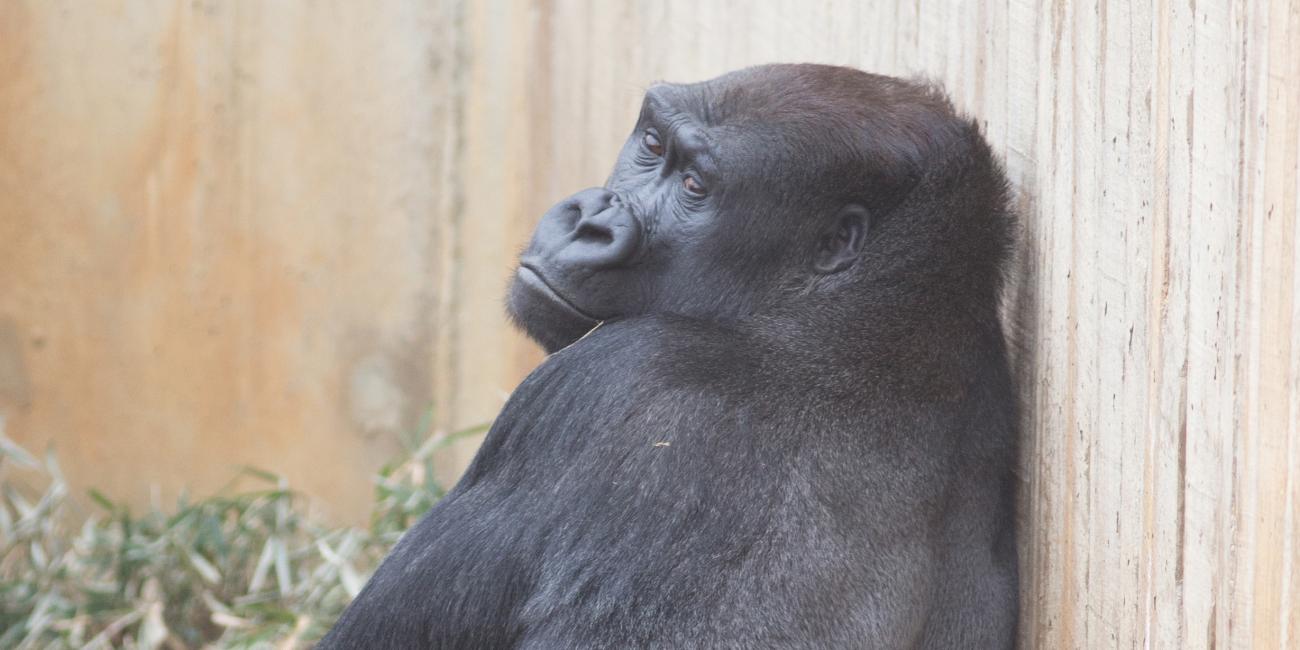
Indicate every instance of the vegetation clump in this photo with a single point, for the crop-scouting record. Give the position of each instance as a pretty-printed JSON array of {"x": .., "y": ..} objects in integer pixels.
[{"x": 246, "y": 568}]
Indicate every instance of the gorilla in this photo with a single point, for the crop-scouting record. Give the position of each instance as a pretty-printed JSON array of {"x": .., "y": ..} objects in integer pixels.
[{"x": 777, "y": 410}]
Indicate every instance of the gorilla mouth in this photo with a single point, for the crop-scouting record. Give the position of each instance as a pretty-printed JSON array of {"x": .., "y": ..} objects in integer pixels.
[{"x": 537, "y": 282}]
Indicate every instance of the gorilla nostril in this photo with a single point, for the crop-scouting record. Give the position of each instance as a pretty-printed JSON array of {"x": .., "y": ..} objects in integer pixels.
[{"x": 588, "y": 232}]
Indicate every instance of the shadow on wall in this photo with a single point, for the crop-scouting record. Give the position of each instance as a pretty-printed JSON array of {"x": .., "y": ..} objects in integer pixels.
[{"x": 1020, "y": 318}]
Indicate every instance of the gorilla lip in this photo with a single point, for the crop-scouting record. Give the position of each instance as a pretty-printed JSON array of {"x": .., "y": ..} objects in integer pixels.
[{"x": 535, "y": 280}]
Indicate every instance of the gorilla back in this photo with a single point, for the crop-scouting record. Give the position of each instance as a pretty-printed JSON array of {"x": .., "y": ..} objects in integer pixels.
[{"x": 793, "y": 424}]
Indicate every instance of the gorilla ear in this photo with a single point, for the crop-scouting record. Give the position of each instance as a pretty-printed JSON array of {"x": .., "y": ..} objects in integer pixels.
[{"x": 840, "y": 245}]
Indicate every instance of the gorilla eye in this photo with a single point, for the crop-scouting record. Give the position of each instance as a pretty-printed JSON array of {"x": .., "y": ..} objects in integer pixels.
[
  {"x": 651, "y": 142},
  {"x": 693, "y": 186}
]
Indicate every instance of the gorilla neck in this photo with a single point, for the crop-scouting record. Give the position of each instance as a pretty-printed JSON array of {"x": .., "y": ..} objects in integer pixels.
[{"x": 873, "y": 326}]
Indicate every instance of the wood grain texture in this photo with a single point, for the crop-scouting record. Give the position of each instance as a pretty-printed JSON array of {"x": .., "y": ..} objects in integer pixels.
[{"x": 273, "y": 233}]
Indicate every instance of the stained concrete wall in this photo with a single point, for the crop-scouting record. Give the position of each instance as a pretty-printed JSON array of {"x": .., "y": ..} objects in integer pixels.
[{"x": 219, "y": 237}]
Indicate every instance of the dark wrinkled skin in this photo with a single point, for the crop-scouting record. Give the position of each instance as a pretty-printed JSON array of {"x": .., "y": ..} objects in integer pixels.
[{"x": 795, "y": 425}]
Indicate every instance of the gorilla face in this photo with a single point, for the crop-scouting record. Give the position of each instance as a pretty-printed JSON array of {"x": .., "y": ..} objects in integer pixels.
[{"x": 727, "y": 196}]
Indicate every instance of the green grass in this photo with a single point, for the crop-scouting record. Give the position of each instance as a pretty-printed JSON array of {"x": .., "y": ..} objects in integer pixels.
[{"x": 244, "y": 568}]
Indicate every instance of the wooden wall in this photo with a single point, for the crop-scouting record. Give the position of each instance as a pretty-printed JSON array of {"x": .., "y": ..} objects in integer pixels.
[{"x": 274, "y": 233}]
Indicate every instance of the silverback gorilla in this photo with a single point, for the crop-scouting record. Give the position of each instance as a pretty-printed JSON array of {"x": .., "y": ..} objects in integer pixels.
[{"x": 777, "y": 412}]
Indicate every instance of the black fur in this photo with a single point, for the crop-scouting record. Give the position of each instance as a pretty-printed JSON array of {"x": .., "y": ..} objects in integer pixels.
[{"x": 795, "y": 427}]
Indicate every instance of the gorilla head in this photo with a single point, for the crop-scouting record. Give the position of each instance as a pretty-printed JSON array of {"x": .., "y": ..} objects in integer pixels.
[{"x": 751, "y": 192}]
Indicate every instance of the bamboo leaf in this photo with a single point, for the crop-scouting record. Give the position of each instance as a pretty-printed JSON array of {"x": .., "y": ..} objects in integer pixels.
[
  {"x": 209, "y": 573},
  {"x": 12, "y": 450},
  {"x": 283, "y": 575}
]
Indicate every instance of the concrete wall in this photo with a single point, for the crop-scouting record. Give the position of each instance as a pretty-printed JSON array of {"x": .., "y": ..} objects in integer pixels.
[
  {"x": 220, "y": 237},
  {"x": 274, "y": 233}
]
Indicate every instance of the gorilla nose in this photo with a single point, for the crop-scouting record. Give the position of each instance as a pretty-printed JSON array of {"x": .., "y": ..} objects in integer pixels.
[{"x": 592, "y": 230}]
